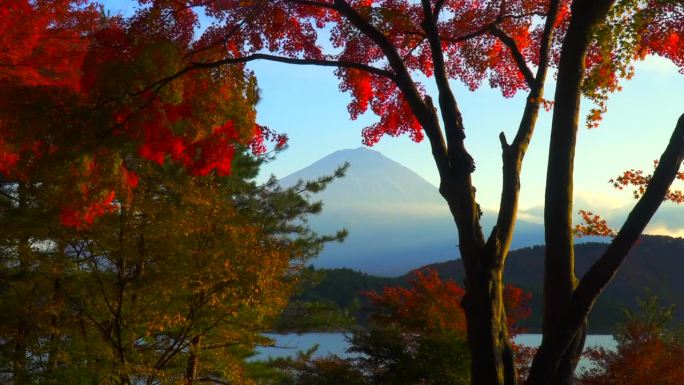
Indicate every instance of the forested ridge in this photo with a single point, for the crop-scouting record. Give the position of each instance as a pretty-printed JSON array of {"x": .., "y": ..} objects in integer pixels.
[{"x": 653, "y": 266}]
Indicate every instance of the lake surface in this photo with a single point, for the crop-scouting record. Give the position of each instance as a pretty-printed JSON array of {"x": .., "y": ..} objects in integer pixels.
[{"x": 287, "y": 345}]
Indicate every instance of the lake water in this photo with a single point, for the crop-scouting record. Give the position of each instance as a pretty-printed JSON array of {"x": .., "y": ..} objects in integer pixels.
[{"x": 287, "y": 345}]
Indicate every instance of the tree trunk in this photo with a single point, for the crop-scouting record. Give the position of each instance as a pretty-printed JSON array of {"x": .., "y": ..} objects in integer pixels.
[
  {"x": 559, "y": 263},
  {"x": 565, "y": 374},
  {"x": 53, "y": 349},
  {"x": 193, "y": 361},
  {"x": 491, "y": 356},
  {"x": 19, "y": 370},
  {"x": 19, "y": 361}
]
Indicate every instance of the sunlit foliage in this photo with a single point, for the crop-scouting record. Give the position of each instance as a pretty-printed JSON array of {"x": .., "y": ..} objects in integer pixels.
[{"x": 649, "y": 351}]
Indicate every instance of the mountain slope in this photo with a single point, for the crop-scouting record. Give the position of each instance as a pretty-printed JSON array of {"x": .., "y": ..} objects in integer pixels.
[
  {"x": 397, "y": 220},
  {"x": 373, "y": 181}
]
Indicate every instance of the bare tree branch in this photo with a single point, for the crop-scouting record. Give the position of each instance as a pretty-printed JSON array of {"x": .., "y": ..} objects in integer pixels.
[
  {"x": 288, "y": 60},
  {"x": 603, "y": 270},
  {"x": 513, "y": 154}
]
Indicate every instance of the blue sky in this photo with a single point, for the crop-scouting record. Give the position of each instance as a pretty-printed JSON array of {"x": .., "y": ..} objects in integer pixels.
[{"x": 305, "y": 103}]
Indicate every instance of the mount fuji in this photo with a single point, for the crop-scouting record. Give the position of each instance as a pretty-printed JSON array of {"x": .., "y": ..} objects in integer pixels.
[{"x": 397, "y": 220}]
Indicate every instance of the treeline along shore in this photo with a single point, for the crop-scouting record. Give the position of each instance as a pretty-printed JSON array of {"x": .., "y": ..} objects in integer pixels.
[{"x": 334, "y": 299}]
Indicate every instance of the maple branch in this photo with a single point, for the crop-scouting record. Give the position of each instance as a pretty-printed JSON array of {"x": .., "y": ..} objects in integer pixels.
[
  {"x": 424, "y": 111},
  {"x": 603, "y": 270},
  {"x": 415, "y": 46},
  {"x": 159, "y": 84},
  {"x": 512, "y": 155},
  {"x": 438, "y": 8},
  {"x": 249, "y": 18},
  {"x": 403, "y": 78},
  {"x": 521, "y": 16},
  {"x": 468, "y": 36},
  {"x": 288, "y": 60},
  {"x": 524, "y": 134},
  {"x": 447, "y": 101},
  {"x": 313, "y": 3},
  {"x": 486, "y": 28},
  {"x": 559, "y": 279},
  {"x": 515, "y": 51},
  {"x": 457, "y": 188},
  {"x": 459, "y": 39},
  {"x": 453, "y": 162}
]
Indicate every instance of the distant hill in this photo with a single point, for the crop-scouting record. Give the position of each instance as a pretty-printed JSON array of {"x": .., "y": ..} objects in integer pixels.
[
  {"x": 655, "y": 264},
  {"x": 343, "y": 286},
  {"x": 397, "y": 221}
]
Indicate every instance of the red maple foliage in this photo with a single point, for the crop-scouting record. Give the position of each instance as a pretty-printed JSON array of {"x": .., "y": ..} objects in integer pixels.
[
  {"x": 430, "y": 304},
  {"x": 41, "y": 42},
  {"x": 89, "y": 97},
  {"x": 479, "y": 41}
]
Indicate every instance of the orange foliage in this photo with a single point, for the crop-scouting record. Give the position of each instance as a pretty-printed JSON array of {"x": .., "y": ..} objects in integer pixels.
[
  {"x": 432, "y": 306},
  {"x": 639, "y": 180},
  {"x": 516, "y": 301},
  {"x": 593, "y": 224},
  {"x": 645, "y": 358}
]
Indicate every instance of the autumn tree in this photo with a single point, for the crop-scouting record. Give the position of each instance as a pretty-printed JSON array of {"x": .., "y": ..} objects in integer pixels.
[
  {"x": 42, "y": 55},
  {"x": 380, "y": 49},
  {"x": 135, "y": 246},
  {"x": 153, "y": 291},
  {"x": 84, "y": 91},
  {"x": 198, "y": 291},
  {"x": 416, "y": 334},
  {"x": 649, "y": 350}
]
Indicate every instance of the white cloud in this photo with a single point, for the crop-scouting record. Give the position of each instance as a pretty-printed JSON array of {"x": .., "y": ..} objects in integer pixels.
[
  {"x": 601, "y": 202},
  {"x": 668, "y": 220},
  {"x": 660, "y": 229},
  {"x": 656, "y": 64}
]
